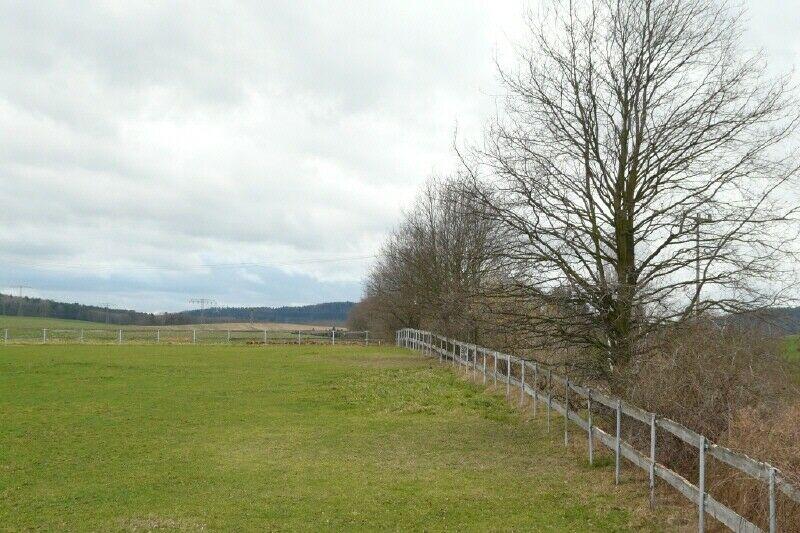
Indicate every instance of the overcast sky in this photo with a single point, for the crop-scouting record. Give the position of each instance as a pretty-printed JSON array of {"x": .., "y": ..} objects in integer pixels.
[{"x": 255, "y": 153}]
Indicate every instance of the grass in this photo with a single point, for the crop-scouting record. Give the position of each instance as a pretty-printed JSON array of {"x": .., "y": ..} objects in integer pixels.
[
  {"x": 29, "y": 330},
  {"x": 281, "y": 438},
  {"x": 792, "y": 348},
  {"x": 30, "y": 322}
]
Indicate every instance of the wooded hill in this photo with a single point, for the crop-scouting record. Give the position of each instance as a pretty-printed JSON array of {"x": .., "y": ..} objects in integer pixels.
[{"x": 331, "y": 313}]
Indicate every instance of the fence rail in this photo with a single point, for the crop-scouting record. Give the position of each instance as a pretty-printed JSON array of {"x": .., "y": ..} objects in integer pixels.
[
  {"x": 472, "y": 357},
  {"x": 155, "y": 335}
]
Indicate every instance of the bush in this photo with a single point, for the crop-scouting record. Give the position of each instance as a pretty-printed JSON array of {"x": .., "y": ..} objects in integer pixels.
[{"x": 731, "y": 385}]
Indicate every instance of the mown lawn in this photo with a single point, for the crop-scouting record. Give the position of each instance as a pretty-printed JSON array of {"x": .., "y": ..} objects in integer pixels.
[{"x": 281, "y": 438}]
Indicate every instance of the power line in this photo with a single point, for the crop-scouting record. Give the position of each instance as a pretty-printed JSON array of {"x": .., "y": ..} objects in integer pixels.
[{"x": 203, "y": 303}]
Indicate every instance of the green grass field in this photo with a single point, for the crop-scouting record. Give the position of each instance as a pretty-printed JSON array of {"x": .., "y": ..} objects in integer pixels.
[
  {"x": 30, "y": 322},
  {"x": 281, "y": 438},
  {"x": 29, "y": 330}
]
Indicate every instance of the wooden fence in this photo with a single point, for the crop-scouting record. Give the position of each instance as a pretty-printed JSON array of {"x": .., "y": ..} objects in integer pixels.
[
  {"x": 539, "y": 385},
  {"x": 186, "y": 335}
]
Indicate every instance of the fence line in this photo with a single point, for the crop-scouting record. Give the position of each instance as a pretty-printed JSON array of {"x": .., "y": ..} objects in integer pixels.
[
  {"x": 156, "y": 335},
  {"x": 466, "y": 357}
]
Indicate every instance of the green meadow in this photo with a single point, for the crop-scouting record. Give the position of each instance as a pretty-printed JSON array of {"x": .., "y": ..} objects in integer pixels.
[{"x": 309, "y": 438}]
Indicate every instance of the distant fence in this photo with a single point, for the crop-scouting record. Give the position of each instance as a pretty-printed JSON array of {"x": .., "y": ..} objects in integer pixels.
[
  {"x": 539, "y": 383},
  {"x": 154, "y": 335}
]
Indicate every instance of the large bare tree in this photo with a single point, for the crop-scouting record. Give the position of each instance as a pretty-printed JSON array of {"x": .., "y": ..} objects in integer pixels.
[{"x": 640, "y": 173}]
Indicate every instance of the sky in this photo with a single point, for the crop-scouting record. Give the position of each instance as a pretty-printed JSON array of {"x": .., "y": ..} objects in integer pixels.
[{"x": 255, "y": 153}]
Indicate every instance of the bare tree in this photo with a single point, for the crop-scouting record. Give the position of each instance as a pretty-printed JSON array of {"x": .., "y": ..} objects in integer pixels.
[
  {"x": 433, "y": 265},
  {"x": 639, "y": 174}
]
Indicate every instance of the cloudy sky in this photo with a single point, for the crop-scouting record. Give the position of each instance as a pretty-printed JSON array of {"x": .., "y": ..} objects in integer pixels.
[{"x": 255, "y": 153}]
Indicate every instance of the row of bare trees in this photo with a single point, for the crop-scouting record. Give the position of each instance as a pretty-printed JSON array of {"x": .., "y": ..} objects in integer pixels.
[
  {"x": 641, "y": 174},
  {"x": 432, "y": 267}
]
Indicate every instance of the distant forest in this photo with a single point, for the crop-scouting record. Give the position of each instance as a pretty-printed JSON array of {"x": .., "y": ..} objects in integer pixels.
[{"x": 331, "y": 313}]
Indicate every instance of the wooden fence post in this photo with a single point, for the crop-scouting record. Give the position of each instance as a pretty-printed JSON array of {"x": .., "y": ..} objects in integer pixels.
[
  {"x": 522, "y": 386},
  {"x": 590, "y": 436},
  {"x": 535, "y": 387},
  {"x": 508, "y": 375},
  {"x": 566, "y": 412},
  {"x": 652, "y": 460},
  {"x": 549, "y": 396},
  {"x": 494, "y": 358},
  {"x": 617, "y": 443},
  {"x": 484, "y": 366},
  {"x": 701, "y": 485},
  {"x": 773, "y": 507}
]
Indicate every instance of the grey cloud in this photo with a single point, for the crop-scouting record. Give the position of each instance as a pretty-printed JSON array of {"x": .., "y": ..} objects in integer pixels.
[{"x": 175, "y": 134}]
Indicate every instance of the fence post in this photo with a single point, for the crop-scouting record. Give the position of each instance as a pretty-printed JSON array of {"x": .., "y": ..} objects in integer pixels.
[
  {"x": 366, "y": 338},
  {"x": 590, "y": 436},
  {"x": 494, "y": 357},
  {"x": 333, "y": 337},
  {"x": 773, "y": 508},
  {"x": 508, "y": 375},
  {"x": 119, "y": 336},
  {"x": 522, "y": 386},
  {"x": 484, "y": 367},
  {"x": 566, "y": 412},
  {"x": 535, "y": 387},
  {"x": 158, "y": 336},
  {"x": 652, "y": 460},
  {"x": 44, "y": 336},
  {"x": 229, "y": 336},
  {"x": 701, "y": 485},
  {"x": 617, "y": 443},
  {"x": 453, "y": 359},
  {"x": 549, "y": 396}
]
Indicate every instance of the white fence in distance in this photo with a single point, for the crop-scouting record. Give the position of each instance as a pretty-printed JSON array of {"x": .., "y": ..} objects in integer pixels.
[
  {"x": 156, "y": 335},
  {"x": 472, "y": 357}
]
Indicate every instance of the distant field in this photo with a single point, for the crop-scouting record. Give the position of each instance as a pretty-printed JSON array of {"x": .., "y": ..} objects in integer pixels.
[
  {"x": 35, "y": 322},
  {"x": 256, "y": 326},
  {"x": 53, "y": 323},
  {"x": 282, "y": 438}
]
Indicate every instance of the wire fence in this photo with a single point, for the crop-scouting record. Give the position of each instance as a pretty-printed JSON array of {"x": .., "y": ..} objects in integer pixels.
[
  {"x": 579, "y": 405},
  {"x": 156, "y": 335}
]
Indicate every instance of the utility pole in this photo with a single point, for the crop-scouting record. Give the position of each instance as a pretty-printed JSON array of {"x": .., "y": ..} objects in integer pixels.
[
  {"x": 698, "y": 219},
  {"x": 105, "y": 304},
  {"x": 20, "y": 288},
  {"x": 204, "y": 303}
]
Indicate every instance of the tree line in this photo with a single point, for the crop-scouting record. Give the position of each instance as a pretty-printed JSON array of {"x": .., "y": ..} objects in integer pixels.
[
  {"x": 640, "y": 177},
  {"x": 333, "y": 313}
]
